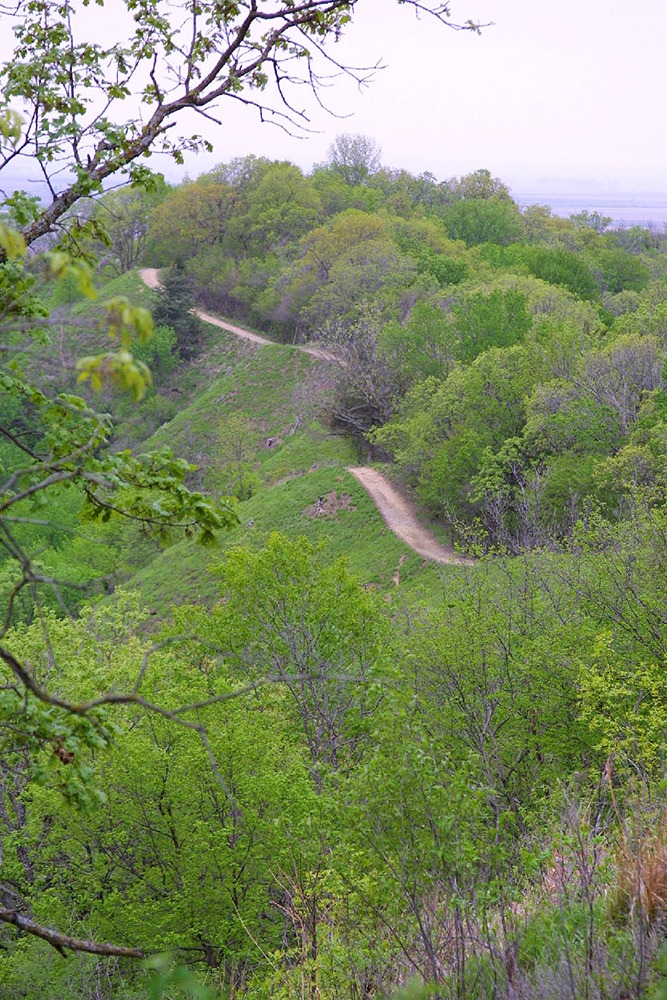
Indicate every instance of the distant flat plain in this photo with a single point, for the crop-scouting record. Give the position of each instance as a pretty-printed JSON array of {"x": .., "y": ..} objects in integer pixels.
[{"x": 625, "y": 208}]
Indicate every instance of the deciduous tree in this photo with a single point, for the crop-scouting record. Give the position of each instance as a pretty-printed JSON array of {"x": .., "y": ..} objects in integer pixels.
[
  {"x": 194, "y": 217},
  {"x": 124, "y": 220},
  {"x": 316, "y": 629},
  {"x": 483, "y": 220},
  {"x": 354, "y": 157}
]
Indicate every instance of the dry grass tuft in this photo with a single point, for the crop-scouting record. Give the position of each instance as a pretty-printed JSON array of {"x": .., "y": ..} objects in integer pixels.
[{"x": 641, "y": 863}]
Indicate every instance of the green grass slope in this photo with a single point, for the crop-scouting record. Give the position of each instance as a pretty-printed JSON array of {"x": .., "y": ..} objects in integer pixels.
[
  {"x": 273, "y": 391},
  {"x": 295, "y": 464},
  {"x": 350, "y": 525},
  {"x": 234, "y": 376}
]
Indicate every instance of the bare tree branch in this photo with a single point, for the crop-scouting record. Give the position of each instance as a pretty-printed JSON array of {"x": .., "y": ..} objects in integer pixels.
[{"x": 62, "y": 941}]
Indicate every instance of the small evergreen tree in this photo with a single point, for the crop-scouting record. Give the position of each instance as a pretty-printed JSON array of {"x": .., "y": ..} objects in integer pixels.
[{"x": 175, "y": 308}]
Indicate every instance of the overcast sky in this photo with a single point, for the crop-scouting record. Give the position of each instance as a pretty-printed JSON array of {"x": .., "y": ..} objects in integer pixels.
[{"x": 570, "y": 91}]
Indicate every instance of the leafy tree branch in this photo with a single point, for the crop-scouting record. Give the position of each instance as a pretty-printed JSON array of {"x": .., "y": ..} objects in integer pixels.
[{"x": 71, "y": 92}]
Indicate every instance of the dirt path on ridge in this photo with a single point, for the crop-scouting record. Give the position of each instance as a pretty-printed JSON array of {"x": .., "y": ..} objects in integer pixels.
[
  {"x": 150, "y": 277},
  {"x": 394, "y": 509},
  {"x": 398, "y": 515}
]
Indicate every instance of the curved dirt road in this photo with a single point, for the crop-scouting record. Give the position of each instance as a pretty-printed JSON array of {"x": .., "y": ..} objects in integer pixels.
[
  {"x": 394, "y": 509},
  {"x": 151, "y": 278},
  {"x": 399, "y": 517}
]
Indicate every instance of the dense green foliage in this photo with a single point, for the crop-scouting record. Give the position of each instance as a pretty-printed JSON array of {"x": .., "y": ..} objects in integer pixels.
[
  {"x": 309, "y": 764},
  {"x": 328, "y": 770},
  {"x": 502, "y": 366}
]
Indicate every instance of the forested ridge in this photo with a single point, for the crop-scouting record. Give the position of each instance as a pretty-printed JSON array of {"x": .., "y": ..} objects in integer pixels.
[
  {"x": 252, "y": 745},
  {"x": 509, "y": 364}
]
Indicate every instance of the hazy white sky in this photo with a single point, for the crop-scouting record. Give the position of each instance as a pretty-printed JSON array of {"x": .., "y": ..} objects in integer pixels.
[
  {"x": 554, "y": 91},
  {"x": 570, "y": 90}
]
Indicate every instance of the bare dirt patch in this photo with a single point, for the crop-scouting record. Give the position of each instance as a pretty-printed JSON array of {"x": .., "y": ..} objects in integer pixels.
[{"x": 328, "y": 505}]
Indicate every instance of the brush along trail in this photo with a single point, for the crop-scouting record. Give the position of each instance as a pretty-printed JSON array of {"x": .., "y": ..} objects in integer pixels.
[{"x": 394, "y": 509}]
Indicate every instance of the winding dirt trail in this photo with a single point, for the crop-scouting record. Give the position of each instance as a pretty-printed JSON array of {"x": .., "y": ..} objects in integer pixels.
[
  {"x": 394, "y": 509},
  {"x": 151, "y": 278},
  {"x": 398, "y": 515}
]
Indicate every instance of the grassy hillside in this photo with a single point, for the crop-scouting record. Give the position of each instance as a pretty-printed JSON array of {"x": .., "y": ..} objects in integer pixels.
[
  {"x": 295, "y": 463},
  {"x": 233, "y": 376},
  {"x": 350, "y": 526},
  {"x": 270, "y": 397}
]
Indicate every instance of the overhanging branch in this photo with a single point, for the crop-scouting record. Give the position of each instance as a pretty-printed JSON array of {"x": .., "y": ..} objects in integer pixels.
[
  {"x": 62, "y": 942},
  {"x": 232, "y": 59}
]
